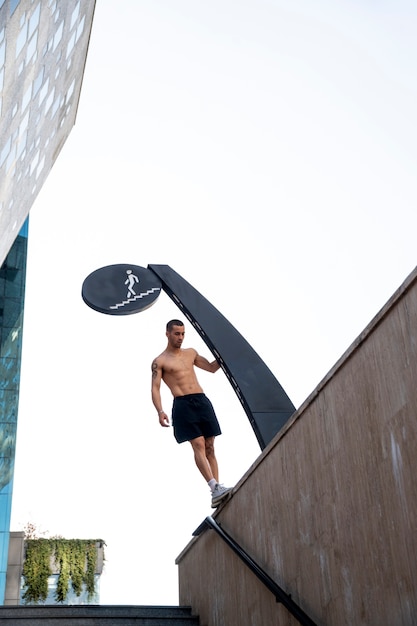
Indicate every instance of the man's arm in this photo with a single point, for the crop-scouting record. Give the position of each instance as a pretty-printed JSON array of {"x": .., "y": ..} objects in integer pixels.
[
  {"x": 204, "y": 364},
  {"x": 156, "y": 392}
]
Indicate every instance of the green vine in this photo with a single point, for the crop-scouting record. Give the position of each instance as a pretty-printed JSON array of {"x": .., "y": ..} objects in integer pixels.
[
  {"x": 75, "y": 561},
  {"x": 89, "y": 578},
  {"x": 36, "y": 570}
]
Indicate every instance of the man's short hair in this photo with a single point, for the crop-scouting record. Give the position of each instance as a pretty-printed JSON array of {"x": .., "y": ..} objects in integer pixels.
[{"x": 172, "y": 323}]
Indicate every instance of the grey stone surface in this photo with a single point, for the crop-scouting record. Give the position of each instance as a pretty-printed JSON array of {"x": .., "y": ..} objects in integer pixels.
[{"x": 128, "y": 615}]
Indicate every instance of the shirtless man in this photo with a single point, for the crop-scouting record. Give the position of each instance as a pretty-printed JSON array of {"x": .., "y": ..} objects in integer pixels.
[{"x": 193, "y": 416}]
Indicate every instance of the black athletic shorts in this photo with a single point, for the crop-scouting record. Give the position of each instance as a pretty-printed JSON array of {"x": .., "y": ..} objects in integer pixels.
[{"x": 193, "y": 416}]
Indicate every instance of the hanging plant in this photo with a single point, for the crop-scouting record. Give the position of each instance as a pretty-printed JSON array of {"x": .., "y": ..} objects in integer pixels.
[
  {"x": 89, "y": 576},
  {"x": 74, "y": 559},
  {"x": 78, "y": 565},
  {"x": 62, "y": 558},
  {"x": 36, "y": 570}
]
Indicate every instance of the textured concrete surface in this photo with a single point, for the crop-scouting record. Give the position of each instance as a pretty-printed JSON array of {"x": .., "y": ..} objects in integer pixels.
[{"x": 329, "y": 509}]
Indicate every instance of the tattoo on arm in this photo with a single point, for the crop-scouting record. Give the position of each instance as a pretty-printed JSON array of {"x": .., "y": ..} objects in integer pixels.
[{"x": 154, "y": 369}]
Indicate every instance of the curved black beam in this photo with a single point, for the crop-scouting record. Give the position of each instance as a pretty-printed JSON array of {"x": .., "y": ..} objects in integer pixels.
[{"x": 263, "y": 399}]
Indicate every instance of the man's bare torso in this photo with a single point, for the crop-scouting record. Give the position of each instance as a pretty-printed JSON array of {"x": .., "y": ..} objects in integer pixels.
[{"x": 178, "y": 371}]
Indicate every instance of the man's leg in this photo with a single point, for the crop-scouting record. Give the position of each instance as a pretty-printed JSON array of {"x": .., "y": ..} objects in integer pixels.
[
  {"x": 199, "y": 447},
  {"x": 207, "y": 464},
  {"x": 211, "y": 457}
]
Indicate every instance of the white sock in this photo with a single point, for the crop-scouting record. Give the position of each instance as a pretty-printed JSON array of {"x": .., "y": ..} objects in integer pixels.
[{"x": 212, "y": 483}]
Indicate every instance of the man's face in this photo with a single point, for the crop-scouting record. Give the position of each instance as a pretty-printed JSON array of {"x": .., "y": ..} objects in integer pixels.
[{"x": 176, "y": 336}]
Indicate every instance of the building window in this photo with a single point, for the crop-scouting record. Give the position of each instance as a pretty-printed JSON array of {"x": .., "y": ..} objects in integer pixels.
[
  {"x": 75, "y": 14},
  {"x": 5, "y": 151},
  {"x": 2, "y": 53},
  {"x": 21, "y": 39},
  {"x": 26, "y": 97},
  {"x": 34, "y": 20},
  {"x": 38, "y": 81},
  {"x": 58, "y": 35},
  {"x": 13, "y": 5}
]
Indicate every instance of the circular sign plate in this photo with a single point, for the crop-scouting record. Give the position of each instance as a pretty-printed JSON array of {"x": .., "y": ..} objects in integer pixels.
[{"x": 121, "y": 289}]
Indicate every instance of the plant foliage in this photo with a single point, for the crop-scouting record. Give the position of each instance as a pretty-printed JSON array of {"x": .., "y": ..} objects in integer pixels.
[
  {"x": 74, "y": 559},
  {"x": 36, "y": 570}
]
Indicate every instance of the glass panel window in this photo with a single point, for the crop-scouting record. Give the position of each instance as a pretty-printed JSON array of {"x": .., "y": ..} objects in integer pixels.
[
  {"x": 43, "y": 92},
  {"x": 27, "y": 96},
  {"x": 75, "y": 14},
  {"x": 21, "y": 145},
  {"x": 80, "y": 29},
  {"x": 31, "y": 49},
  {"x": 34, "y": 162},
  {"x": 70, "y": 45},
  {"x": 34, "y": 20},
  {"x": 56, "y": 106},
  {"x": 24, "y": 124},
  {"x": 70, "y": 91},
  {"x": 11, "y": 158},
  {"x": 5, "y": 151},
  {"x": 21, "y": 39},
  {"x": 58, "y": 35},
  {"x": 38, "y": 81},
  {"x": 13, "y": 5},
  {"x": 49, "y": 101},
  {"x": 40, "y": 167}
]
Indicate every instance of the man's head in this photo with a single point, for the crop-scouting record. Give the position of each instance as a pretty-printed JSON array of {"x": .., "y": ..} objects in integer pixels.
[
  {"x": 175, "y": 333},
  {"x": 172, "y": 323}
]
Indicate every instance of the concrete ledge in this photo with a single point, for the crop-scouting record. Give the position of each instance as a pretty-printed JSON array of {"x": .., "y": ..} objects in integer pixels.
[{"x": 328, "y": 508}]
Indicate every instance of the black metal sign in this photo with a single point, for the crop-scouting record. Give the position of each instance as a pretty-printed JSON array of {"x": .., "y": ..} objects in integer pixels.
[
  {"x": 124, "y": 289},
  {"x": 121, "y": 289}
]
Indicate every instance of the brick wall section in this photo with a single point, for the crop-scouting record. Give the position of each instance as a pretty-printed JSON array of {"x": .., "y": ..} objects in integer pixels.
[{"x": 329, "y": 509}]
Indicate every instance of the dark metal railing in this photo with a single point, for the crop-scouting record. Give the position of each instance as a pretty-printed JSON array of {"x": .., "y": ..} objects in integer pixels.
[{"x": 278, "y": 592}]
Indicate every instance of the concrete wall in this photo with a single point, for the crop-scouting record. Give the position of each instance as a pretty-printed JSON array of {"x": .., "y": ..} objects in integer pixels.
[
  {"x": 329, "y": 509},
  {"x": 14, "y": 568}
]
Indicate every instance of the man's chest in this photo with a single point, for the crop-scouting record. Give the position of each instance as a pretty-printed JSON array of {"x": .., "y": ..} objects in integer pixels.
[{"x": 179, "y": 364}]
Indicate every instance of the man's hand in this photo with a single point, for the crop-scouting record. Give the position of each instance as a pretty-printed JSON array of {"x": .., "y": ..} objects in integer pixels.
[{"x": 163, "y": 419}]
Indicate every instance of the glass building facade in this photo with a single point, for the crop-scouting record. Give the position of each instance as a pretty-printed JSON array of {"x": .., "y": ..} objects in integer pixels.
[
  {"x": 43, "y": 52},
  {"x": 12, "y": 297}
]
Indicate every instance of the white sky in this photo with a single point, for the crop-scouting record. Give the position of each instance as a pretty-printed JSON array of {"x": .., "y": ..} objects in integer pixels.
[{"x": 266, "y": 151}]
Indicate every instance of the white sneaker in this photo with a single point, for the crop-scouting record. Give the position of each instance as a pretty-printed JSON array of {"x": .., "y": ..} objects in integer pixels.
[{"x": 218, "y": 494}]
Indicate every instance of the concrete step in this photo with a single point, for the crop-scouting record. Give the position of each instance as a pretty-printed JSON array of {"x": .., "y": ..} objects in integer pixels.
[{"x": 100, "y": 615}]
